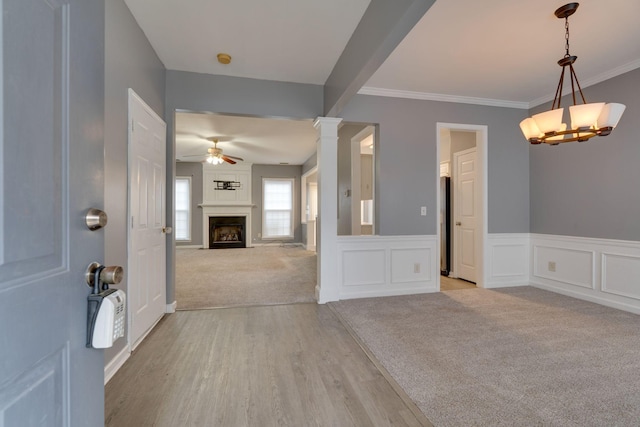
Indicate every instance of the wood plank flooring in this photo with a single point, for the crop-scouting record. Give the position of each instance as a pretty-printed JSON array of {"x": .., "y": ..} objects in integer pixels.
[
  {"x": 450, "y": 284},
  {"x": 287, "y": 365}
]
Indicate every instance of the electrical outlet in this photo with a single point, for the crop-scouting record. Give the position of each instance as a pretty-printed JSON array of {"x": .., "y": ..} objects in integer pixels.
[
  {"x": 552, "y": 266},
  {"x": 416, "y": 267},
  {"x": 423, "y": 211}
]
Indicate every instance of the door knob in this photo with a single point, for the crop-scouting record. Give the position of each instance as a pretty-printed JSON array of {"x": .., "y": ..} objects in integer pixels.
[
  {"x": 167, "y": 230},
  {"x": 110, "y": 275},
  {"x": 458, "y": 223}
]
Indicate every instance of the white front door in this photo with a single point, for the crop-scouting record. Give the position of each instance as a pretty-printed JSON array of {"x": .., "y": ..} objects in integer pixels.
[
  {"x": 147, "y": 205},
  {"x": 466, "y": 213}
]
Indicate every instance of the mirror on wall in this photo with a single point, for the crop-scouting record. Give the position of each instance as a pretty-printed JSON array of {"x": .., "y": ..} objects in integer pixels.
[{"x": 356, "y": 179}]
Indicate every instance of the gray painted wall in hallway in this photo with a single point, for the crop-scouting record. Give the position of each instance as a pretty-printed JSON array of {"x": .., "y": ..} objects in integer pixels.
[
  {"x": 408, "y": 167},
  {"x": 193, "y": 170},
  {"x": 130, "y": 62},
  {"x": 274, "y": 171},
  {"x": 590, "y": 189}
]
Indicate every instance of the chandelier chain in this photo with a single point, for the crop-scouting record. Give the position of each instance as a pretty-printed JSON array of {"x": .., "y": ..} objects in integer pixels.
[{"x": 566, "y": 37}]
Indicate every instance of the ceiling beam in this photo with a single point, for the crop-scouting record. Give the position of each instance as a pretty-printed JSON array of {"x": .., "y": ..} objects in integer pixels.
[{"x": 382, "y": 27}]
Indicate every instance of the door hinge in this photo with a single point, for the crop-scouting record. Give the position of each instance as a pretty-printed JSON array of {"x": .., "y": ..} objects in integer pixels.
[
  {"x": 132, "y": 125},
  {"x": 132, "y": 221}
]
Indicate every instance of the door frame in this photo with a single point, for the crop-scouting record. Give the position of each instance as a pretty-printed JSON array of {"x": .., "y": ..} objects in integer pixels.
[{"x": 481, "y": 249}]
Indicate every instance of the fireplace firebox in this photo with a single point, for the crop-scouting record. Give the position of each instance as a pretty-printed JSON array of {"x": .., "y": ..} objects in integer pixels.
[{"x": 227, "y": 232}]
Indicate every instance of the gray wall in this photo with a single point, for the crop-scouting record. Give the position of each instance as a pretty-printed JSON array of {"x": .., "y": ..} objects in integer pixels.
[
  {"x": 274, "y": 171},
  {"x": 130, "y": 62},
  {"x": 311, "y": 163},
  {"x": 233, "y": 95},
  {"x": 461, "y": 141},
  {"x": 345, "y": 133},
  {"x": 590, "y": 189},
  {"x": 407, "y": 166},
  {"x": 193, "y": 170}
]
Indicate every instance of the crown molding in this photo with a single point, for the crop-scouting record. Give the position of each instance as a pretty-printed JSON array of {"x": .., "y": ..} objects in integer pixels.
[
  {"x": 407, "y": 94},
  {"x": 615, "y": 72},
  {"x": 441, "y": 97}
]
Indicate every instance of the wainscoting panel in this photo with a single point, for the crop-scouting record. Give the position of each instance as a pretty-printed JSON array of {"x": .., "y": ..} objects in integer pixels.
[
  {"x": 508, "y": 260},
  {"x": 410, "y": 266},
  {"x": 362, "y": 267},
  {"x": 620, "y": 274},
  {"x": 373, "y": 266},
  {"x": 571, "y": 266},
  {"x": 598, "y": 270}
]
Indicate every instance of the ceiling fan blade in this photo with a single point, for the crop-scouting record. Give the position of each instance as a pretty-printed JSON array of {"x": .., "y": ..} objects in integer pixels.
[
  {"x": 228, "y": 160},
  {"x": 234, "y": 157}
]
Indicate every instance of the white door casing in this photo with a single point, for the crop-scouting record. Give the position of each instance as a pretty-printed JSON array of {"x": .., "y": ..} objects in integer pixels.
[
  {"x": 465, "y": 214},
  {"x": 147, "y": 213}
]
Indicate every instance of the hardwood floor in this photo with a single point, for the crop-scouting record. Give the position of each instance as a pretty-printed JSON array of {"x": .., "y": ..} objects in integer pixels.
[
  {"x": 449, "y": 284},
  {"x": 290, "y": 365}
]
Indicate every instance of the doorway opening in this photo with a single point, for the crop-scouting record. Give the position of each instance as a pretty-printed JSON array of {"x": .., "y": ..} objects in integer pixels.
[
  {"x": 462, "y": 203},
  {"x": 231, "y": 207}
]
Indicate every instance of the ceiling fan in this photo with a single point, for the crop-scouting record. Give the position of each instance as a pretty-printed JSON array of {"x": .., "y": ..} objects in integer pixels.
[{"x": 215, "y": 156}]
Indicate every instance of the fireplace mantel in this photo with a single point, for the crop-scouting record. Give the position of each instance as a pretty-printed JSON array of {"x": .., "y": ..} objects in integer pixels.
[{"x": 211, "y": 210}]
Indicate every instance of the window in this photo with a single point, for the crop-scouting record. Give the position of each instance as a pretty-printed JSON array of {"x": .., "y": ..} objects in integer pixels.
[
  {"x": 183, "y": 208},
  {"x": 277, "y": 210}
]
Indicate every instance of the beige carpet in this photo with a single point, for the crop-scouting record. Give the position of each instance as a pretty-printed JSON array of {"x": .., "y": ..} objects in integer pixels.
[
  {"x": 209, "y": 278},
  {"x": 512, "y": 357}
]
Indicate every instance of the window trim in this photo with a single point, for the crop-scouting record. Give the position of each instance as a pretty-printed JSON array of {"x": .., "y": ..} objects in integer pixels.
[
  {"x": 189, "y": 210},
  {"x": 292, "y": 209}
]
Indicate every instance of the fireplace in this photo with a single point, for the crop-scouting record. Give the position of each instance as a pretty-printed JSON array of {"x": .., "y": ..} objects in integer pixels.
[{"x": 227, "y": 232}]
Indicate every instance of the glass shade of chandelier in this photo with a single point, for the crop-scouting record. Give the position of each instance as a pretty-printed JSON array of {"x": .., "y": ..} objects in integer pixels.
[{"x": 587, "y": 119}]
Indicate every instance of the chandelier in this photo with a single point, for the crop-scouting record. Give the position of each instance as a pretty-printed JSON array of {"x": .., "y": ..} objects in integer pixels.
[{"x": 587, "y": 120}]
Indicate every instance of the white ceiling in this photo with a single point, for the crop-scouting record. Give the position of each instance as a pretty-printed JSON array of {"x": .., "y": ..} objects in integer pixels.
[
  {"x": 254, "y": 139},
  {"x": 496, "y": 52}
]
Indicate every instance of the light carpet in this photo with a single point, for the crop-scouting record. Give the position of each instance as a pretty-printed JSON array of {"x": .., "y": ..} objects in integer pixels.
[
  {"x": 511, "y": 357},
  {"x": 211, "y": 278}
]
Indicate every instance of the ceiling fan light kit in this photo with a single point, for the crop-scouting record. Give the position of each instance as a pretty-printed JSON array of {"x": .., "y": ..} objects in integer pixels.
[
  {"x": 215, "y": 156},
  {"x": 587, "y": 119}
]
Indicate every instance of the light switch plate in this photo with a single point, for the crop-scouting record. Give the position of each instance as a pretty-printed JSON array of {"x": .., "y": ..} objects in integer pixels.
[{"x": 423, "y": 211}]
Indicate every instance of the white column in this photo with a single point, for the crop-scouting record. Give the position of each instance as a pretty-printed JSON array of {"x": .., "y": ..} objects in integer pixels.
[{"x": 327, "y": 288}]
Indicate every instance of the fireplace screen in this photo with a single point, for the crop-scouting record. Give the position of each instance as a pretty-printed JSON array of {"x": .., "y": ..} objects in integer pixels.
[{"x": 227, "y": 232}]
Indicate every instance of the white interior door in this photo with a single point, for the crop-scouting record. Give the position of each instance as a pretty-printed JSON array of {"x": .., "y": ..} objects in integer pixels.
[
  {"x": 147, "y": 205},
  {"x": 466, "y": 213}
]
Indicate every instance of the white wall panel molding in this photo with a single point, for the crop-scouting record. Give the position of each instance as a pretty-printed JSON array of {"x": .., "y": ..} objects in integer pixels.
[
  {"x": 508, "y": 260},
  {"x": 599, "y": 270},
  {"x": 371, "y": 266}
]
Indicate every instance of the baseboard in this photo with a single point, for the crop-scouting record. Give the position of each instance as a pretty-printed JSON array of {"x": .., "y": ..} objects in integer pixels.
[
  {"x": 171, "y": 308},
  {"x": 115, "y": 364},
  {"x": 147, "y": 332},
  {"x": 189, "y": 246},
  {"x": 602, "y": 271},
  {"x": 277, "y": 244}
]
